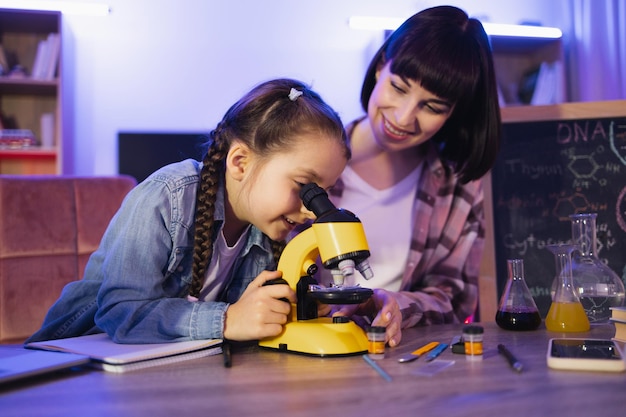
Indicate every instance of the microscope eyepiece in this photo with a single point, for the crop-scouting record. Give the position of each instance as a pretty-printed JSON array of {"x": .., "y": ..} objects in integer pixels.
[{"x": 316, "y": 199}]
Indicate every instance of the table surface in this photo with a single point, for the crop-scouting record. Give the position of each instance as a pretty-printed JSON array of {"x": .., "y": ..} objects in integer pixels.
[{"x": 269, "y": 383}]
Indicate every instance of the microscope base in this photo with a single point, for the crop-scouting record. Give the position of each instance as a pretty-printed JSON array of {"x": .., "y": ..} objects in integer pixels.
[{"x": 319, "y": 337}]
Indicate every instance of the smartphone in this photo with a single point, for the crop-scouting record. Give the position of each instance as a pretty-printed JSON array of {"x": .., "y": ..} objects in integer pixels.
[{"x": 585, "y": 355}]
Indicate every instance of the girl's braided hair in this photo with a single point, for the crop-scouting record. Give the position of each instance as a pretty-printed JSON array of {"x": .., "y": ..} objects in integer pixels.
[{"x": 267, "y": 120}]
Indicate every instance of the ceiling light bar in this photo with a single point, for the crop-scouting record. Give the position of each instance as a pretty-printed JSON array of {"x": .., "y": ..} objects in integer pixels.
[
  {"x": 492, "y": 29},
  {"x": 526, "y": 31},
  {"x": 65, "y": 7}
]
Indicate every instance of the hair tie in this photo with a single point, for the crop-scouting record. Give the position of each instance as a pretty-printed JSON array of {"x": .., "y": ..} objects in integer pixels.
[{"x": 294, "y": 94}]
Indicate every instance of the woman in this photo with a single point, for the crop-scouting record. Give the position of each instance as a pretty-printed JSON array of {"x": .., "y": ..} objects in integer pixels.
[{"x": 431, "y": 131}]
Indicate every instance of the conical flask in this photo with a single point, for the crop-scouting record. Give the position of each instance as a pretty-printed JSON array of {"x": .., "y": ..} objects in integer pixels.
[
  {"x": 517, "y": 309},
  {"x": 566, "y": 313},
  {"x": 598, "y": 287}
]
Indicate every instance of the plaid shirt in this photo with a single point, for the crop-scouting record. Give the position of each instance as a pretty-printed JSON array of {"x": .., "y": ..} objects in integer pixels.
[{"x": 440, "y": 281}]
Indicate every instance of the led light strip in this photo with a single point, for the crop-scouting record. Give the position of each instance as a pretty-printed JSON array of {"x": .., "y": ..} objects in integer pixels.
[
  {"x": 65, "y": 7},
  {"x": 494, "y": 29}
]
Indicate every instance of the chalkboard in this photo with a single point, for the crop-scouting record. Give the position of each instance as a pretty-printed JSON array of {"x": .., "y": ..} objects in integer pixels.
[{"x": 547, "y": 170}]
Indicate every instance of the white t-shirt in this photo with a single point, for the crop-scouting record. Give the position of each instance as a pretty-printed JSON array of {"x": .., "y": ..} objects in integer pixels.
[
  {"x": 387, "y": 219},
  {"x": 222, "y": 262}
]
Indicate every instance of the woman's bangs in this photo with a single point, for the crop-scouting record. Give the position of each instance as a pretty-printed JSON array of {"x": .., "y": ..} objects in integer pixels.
[{"x": 451, "y": 74}]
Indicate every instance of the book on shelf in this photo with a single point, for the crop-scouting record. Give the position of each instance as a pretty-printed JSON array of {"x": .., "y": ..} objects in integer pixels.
[
  {"x": 17, "y": 138},
  {"x": 4, "y": 62},
  {"x": 549, "y": 85},
  {"x": 46, "y": 58},
  {"x": 54, "y": 43},
  {"x": 36, "y": 72},
  {"x": 117, "y": 357}
]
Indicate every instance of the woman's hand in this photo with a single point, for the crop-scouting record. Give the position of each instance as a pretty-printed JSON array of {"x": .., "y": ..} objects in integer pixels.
[
  {"x": 384, "y": 307},
  {"x": 259, "y": 312}
]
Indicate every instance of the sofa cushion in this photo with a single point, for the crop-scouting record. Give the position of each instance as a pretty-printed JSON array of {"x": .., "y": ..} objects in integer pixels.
[{"x": 49, "y": 226}]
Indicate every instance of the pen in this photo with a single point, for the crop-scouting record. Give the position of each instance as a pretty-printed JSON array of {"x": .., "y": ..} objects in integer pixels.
[
  {"x": 228, "y": 359},
  {"x": 513, "y": 362},
  {"x": 436, "y": 352},
  {"x": 377, "y": 368}
]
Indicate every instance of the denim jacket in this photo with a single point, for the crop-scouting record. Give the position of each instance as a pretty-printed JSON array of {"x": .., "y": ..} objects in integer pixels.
[{"x": 136, "y": 283}]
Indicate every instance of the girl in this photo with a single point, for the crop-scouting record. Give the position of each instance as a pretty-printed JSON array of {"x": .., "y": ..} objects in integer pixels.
[
  {"x": 188, "y": 252},
  {"x": 431, "y": 131}
]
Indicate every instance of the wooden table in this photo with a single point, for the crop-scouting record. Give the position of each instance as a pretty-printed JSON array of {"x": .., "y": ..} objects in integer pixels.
[{"x": 268, "y": 383}]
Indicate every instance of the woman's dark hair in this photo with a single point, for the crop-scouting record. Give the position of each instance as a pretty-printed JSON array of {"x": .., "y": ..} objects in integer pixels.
[
  {"x": 449, "y": 54},
  {"x": 268, "y": 120}
]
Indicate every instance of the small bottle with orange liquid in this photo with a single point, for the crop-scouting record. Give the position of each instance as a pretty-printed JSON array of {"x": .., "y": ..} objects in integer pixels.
[{"x": 566, "y": 313}]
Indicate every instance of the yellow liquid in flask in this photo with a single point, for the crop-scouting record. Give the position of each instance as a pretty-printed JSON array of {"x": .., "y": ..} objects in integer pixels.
[{"x": 567, "y": 317}]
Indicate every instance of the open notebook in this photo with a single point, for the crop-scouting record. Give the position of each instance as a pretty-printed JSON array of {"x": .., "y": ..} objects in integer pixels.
[
  {"x": 115, "y": 357},
  {"x": 18, "y": 363}
]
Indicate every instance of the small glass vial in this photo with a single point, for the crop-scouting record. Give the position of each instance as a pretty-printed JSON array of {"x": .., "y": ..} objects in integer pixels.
[
  {"x": 376, "y": 342},
  {"x": 473, "y": 340}
]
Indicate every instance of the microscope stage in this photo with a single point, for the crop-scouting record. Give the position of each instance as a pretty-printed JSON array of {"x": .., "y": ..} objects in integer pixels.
[{"x": 341, "y": 295}]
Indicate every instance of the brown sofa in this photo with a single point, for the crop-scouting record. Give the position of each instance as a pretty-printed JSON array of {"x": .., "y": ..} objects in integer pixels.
[{"x": 49, "y": 226}]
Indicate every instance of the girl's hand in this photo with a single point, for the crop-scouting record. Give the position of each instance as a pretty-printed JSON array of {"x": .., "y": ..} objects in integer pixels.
[
  {"x": 259, "y": 312},
  {"x": 384, "y": 305}
]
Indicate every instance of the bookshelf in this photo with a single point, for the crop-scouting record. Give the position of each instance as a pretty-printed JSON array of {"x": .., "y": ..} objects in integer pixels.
[
  {"x": 515, "y": 57},
  {"x": 24, "y": 99}
]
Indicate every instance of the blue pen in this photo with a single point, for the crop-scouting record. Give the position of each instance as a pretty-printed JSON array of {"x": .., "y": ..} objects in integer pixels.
[{"x": 436, "y": 352}]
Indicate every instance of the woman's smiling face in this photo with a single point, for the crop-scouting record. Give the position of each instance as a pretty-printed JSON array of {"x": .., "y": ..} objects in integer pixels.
[{"x": 402, "y": 113}]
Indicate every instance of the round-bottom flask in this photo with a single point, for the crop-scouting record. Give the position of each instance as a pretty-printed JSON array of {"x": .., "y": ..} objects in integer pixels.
[{"x": 598, "y": 287}]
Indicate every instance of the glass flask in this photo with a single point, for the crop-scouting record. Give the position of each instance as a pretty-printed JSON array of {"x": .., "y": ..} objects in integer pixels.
[
  {"x": 599, "y": 288},
  {"x": 517, "y": 309},
  {"x": 566, "y": 313}
]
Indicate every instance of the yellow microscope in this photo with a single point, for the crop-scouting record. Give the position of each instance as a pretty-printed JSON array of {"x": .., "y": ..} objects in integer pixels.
[{"x": 338, "y": 239}]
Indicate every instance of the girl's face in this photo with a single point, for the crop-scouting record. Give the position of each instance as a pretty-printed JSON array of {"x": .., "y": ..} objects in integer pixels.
[
  {"x": 269, "y": 191},
  {"x": 402, "y": 113}
]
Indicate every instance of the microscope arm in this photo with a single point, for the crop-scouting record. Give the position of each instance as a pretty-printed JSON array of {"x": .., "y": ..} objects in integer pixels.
[{"x": 298, "y": 258}]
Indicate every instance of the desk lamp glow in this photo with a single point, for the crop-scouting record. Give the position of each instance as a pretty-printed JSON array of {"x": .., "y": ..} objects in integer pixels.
[{"x": 337, "y": 237}]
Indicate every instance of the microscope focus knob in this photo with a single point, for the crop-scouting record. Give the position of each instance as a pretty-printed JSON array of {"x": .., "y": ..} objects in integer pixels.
[{"x": 277, "y": 281}]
